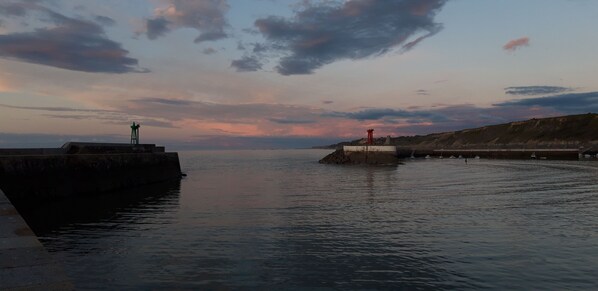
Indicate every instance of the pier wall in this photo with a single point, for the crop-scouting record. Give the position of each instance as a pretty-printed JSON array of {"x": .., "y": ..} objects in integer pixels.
[
  {"x": 548, "y": 154},
  {"x": 24, "y": 262},
  {"x": 36, "y": 178},
  {"x": 32, "y": 151},
  {"x": 363, "y": 154},
  {"x": 370, "y": 148}
]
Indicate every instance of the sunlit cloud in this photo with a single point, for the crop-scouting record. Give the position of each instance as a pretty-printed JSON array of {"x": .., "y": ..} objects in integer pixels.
[
  {"x": 223, "y": 127},
  {"x": 6, "y": 85},
  {"x": 515, "y": 44},
  {"x": 254, "y": 142}
]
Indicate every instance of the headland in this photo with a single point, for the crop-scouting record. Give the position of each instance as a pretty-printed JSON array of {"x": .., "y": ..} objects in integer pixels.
[{"x": 557, "y": 138}]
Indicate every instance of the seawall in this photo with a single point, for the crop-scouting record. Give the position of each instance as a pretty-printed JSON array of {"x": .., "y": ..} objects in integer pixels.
[
  {"x": 371, "y": 149},
  {"x": 525, "y": 154},
  {"x": 24, "y": 262},
  {"x": 78, "y": 169},
  {"x": 363, "y": 154}
]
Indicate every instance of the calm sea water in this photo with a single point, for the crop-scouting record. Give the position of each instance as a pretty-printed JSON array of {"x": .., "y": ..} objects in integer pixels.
[{"x": 274, "y": 220}]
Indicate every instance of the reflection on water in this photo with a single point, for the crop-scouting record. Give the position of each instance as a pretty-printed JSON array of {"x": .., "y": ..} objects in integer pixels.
[
  {"x": 107, "y": 207},
  {"x": 278, "y": 219}
]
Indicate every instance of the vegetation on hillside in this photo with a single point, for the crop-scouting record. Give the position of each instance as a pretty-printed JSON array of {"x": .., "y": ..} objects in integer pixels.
[{"x": 571, "y": 131}]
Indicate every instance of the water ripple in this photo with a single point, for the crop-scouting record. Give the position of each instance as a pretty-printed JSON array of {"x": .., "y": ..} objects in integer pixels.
[{"x": 279, "y": 220}]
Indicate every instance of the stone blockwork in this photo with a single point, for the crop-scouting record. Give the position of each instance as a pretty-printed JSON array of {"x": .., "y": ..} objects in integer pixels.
[
  {"x": 342, "y": 157},
  {"x": 24, "y": 263},
  {"x": 84, "y": 169}
]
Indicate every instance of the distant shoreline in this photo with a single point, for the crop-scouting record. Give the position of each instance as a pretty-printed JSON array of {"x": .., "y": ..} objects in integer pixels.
[{"x": 572, "y": 132}]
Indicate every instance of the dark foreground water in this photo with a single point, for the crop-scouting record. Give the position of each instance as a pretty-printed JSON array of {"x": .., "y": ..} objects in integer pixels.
[{"x": 274, "y": 220}]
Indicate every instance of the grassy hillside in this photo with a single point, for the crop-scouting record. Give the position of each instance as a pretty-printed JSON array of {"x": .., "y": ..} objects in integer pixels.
[{"x": 556, "y": 132}]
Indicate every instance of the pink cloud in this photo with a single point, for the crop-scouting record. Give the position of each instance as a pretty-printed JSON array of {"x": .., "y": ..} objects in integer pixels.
[
  {"x": 6, "y": 85},
  {"x": 516, "y": 43}
]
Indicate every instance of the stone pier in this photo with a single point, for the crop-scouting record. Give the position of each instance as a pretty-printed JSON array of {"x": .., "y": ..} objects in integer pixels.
[
  {"x": 36, "y": 176},
  {"x": 24, "y": 262}
]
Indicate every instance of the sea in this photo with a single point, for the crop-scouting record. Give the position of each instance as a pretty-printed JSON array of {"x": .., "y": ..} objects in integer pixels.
[{"x": 279, "y": 220}]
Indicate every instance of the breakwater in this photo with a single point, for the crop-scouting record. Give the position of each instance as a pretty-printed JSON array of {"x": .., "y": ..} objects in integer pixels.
[
  {"x": 24, "y": 262},
  {"x": 363, "y": 154},
  {"x": 548, "y": 154},
  {"x": 79, "y": 169}
]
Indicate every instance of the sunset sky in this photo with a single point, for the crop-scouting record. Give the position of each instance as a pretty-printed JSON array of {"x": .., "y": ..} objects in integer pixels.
[{"x": 287, "y": 73}]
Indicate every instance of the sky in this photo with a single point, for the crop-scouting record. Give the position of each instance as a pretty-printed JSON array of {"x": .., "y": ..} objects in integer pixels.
[{"x": 287, "y": 73}]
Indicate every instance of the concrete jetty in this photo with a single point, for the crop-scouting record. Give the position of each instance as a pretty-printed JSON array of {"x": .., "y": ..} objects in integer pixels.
[
  {"x": 497, "y": 153},
  {"x": 363, "y": 154},
  {"x": 367, "y": 152},
  {"x": 24, "y": 263},
  {"x": 34, "y": 176},
  {"x": 37, "y": 175}
]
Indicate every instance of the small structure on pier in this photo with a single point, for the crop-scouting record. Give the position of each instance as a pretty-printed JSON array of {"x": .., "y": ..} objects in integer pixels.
[
  {"x": 135, "y": 133},
  {"x": 370, "y": 136},
  {"x": 367, "y": 153},
  {"x": 370, "y": 147}
]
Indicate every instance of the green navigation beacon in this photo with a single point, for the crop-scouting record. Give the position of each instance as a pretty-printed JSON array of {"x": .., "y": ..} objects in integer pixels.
[{"x": 135, "y": 133}]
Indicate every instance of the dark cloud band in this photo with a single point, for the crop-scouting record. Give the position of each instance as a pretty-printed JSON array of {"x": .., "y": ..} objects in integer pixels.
[
  {"x": 205, "y": 16},
  {"x": 567, "y": 103},
  {"x": 381, "y": 113},
  {"x": 71, "y": 44},
  {"x": 536, "y": 90},
  {"x": 324, "y": 33},
  {"x": 246, "y": 64}
]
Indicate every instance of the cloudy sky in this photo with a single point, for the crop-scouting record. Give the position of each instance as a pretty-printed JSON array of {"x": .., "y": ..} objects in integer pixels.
[{"x": 287, "y": 73}]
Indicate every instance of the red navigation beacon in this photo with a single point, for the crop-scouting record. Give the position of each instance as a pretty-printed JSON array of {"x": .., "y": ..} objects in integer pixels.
[{"x": 370, "y": 136}]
